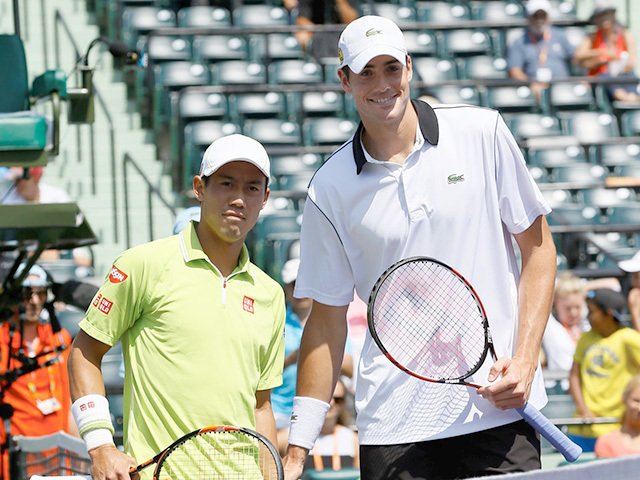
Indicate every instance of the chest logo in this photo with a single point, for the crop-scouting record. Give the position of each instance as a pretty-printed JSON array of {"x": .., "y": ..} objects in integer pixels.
[
  {"x": 247, "y": 304},
  {"x": 454, "y": 178}
]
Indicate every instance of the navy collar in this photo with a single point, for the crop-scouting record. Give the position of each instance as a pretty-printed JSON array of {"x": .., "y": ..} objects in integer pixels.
[{"x": 427, "y": 121}]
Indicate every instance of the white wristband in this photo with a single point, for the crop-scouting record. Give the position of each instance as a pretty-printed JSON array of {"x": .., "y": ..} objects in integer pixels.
[
  {"x": 306, "y": 421},
  {"x": 91, "y": 414}
]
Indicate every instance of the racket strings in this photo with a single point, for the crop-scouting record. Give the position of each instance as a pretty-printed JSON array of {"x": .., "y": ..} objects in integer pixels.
[
  {"x": 429, "y": 320},
  {"x": 214, "y": 455}
]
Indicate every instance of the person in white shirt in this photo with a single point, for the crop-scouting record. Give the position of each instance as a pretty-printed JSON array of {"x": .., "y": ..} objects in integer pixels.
[
  {"x": 448, "y": 182},
  {"x": 28, "y": 188}
]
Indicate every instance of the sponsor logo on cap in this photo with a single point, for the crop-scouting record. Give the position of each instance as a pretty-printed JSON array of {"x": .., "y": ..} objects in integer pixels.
[
  {"x": 247, "y": 304},
  {"x": 117, "y": 275}
]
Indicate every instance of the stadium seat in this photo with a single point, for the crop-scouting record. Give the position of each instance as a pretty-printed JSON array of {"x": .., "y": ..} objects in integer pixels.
[
  {"x": 342, "y": 474},
  {"x": 564, "y": 10},
  {"x": 555, "y": 156},
  {"x": 204, "y": 16},
  {"x": 574, "y": 215},
  {"x": 625, "y": 215},
  {"x": 272, "y": 131},
  {"x": 589, "y": 127},
  {"x": 628, "y": 170},
  {"x": 197, "y": 105},
  {"x": 630, "y": 122},
  {"x": 276, "y": 46},
  {"x": 605, "y": 199},
  {"x": 529, "y": 125},
  {"x": 294, "y": 71},
  {"x": 482, "y": 67},
  {"x": 238, "y": 72},
  {"x": 296, "y": 182},
  {"x": 615, "y": 154},
  {"x": 497, "y": 10},
  {"x": 456, "y": 94},
  {"x": 138, "y": 21},
  {"x": 322, "y": 103},
  {"x": 291, "y": 164},
  {"x": 579, "y": 173},
  {"x": 69, "y": 319},
  {"x": 465, "y": 42},
  {"x": 23, "y": 132},
  {"x": 402, "y": 15},
  {"x": 442, "y": 12},
  {"x": 257, "y": 105},
  {"x": 570, "y": 96},
  {"x": 420, "y": 43},
  {"x": 433, "y": 70},
  {"x": 275, "y": 223},
  {"x": 557, "y": 197},
  {"x": 327, "y": 130},
  {"x": 164, "y": 48},
  {"x": 216, "y": 48},
  {"x": 511, "y": 99},
  {"x": 259, "y": 15}
]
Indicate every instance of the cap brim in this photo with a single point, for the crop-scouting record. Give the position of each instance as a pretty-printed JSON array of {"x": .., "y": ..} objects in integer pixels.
[
  {"x": 208, "y": 172},
  {"x": 360, "y": 61}
]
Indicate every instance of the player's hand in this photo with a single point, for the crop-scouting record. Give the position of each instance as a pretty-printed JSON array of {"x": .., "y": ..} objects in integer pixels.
[
  {"x": 513, "y": 378},
  {"x": 294, "y": 462},
  {"x": 109, "y": 463}
]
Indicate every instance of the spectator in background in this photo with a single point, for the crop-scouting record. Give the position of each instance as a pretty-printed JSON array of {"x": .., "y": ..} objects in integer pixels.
[
  {"x": 28, "y": 188},
  {"x": 337, "y": 446},
  {"x": 40, "y": 398},
  {"x": 298, "y": 310},
  {"x": 542, "y": 53},
  {"x": 323, "y": 12},
  {"x": 606, "y": 358},
  {"x": 610, "y": 53},
  {"x": 626, "y": 440},
  {"x": 184, "y": 217},
  {"x": 567, "y": 324},
  {"x": 632, "y": 266}
]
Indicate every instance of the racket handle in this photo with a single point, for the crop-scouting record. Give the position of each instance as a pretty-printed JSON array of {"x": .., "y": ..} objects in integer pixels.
[{"x": 548, "y": 430}]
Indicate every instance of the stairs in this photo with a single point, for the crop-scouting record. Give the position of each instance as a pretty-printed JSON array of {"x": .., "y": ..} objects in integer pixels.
[{"x": 91, "y": 180}]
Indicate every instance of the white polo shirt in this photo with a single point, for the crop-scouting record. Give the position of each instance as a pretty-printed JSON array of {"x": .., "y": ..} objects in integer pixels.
[{"x": 459, "y": 197}]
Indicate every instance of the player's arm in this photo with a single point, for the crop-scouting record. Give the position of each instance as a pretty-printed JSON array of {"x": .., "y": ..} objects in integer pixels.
[
  {"x": 535, "y": 293},
  {"x": 321, "y": 355},
  {"x": 265, "y": 422},
  {"x": 91, "y": 408}
]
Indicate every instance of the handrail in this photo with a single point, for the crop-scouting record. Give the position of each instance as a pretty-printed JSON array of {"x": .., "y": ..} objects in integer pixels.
[
  {"x": 151, "y": 190},
  {"x": 60, "y": 21}
]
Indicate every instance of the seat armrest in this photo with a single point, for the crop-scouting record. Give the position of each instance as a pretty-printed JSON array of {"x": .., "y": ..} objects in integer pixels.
[{"x": 49, "y": 82}]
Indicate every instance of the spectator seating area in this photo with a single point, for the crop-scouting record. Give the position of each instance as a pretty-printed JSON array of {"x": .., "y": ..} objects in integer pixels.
[{"x": 214, "y": 70}]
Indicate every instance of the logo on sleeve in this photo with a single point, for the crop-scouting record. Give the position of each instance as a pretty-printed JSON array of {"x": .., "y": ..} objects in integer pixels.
[
  {"x": 117, "y": 275},
  {"x": 103, "y": 304},
  {"x": 247, "y": 304}
]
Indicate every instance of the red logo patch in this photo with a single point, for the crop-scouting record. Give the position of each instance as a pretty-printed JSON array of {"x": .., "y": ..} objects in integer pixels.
[
  {"x": 105, "y": 305},
  {"x": 96, "y": 300},
  {"x": 247, "y": 304},
  {"x": 117, "y": 275}
]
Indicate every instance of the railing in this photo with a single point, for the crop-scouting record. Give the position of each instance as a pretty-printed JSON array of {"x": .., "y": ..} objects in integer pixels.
[{"x": 127, "y": 160}]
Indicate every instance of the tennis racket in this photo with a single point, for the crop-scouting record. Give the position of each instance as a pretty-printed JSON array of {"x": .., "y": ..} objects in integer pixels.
[
  {"x": 217, "y": 453},
  {"x": 430, "y": 323}
]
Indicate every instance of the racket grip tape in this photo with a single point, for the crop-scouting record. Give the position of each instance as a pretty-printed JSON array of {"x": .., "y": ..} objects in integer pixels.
[{"x": 548, "y": 430}]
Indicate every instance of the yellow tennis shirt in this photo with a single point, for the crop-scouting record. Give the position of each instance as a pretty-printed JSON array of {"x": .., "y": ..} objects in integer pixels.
[{"x": 196, "y": 346}]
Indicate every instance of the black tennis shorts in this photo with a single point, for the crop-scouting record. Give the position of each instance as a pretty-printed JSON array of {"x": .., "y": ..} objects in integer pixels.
[{"x": 507, "y": 449}]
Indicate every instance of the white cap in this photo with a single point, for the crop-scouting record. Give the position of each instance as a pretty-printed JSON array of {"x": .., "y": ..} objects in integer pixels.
[
  {"x": 233, "y": 148},
  {"x": 632, "y": 265},
  {"x": 368, "y": 37},
  {"x": 534, "y": 5},
  {"x": 290, "y": 271},
  {"x": 37, "y": 276}
]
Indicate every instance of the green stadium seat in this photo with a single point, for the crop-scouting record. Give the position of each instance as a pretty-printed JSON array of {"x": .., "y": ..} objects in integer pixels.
[
  {"x": 579, "y": 173},
  {"x": 442, "y": 11},
  {"x": 163, "y": 48},
  {"x": 258, "y": 105},
  {"x": 497, "y": 10},
  {"x": 456, "y": 94},
  {"x": 402, "y": 15},
  {"x": 564, "y": 10},
  {"x": 273, "y": 131},
  {"x": 294, "y": 71},
  {"x": 570, "y": 96},
  {"x": 465, "y": 42},
  {"x": 238, "y": 72},
  {"x": 589, "y": 127},
  {"x": 291, "y": 164},
  {"x": 322, "y": 103},
  {"x": 628, "y": 170},
  {"x": 23, "y": 132},
  {"x": 625, "y": 215},
  {"x": 612, "y": 155},
  {"x": 327, "y": 130},
  {"x": 217, "y": 48},
  {"x": 482, "y": 67},
  {"x": 259, "y": 15},
  {"x": 197, "y": 105},
  {"x": 554, "y": 156},
  {"x": 275, "y": 46},
  {"x": 204, "y": 16},
  {"x": 606, "y": 198},
  {"x": 420, "y": 43},
  {"x": 574, "y": 215},
  {"x": 516, "y": 98},
  {"x": 530, "y": 125},
  {"x": 433, "y": 70}
]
